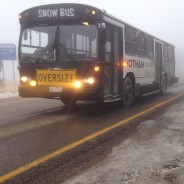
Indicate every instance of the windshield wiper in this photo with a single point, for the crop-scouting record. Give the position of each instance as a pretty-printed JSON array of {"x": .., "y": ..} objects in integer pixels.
[
  {"x": 70, "y": 56},
  {"x": 46, "y": 53}
]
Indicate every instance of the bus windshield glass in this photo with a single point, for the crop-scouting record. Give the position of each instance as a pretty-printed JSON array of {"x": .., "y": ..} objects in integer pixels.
[
  {"x": 73, "y": 43},
  {"x": 78, "y": 42},
  {"x": 38, "y": 43}
]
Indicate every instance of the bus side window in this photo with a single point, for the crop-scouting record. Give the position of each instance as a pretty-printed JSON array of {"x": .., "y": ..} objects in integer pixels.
[
  {"x": 171, "y": 52},
  {"x": 149, "y": 46},
  {"x": 130, "y": 41},
  {"x": 140, "y": 44},
  {"x": 165, "y": 50}
]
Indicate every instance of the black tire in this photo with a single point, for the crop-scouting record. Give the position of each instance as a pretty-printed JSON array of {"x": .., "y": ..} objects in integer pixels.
[
  {"x": 163, "y": 84},
  {"x": 100, "y": 97},
  {"x": 127, "y": 92},
  {"x": 68, "y": 101}
]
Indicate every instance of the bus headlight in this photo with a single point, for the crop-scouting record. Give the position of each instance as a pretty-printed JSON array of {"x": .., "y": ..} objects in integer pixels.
[
  {"x": 33, "y": 83},
  {"x": 91, "y": 80},
  {"x": 82, "y": 83},
  {"x": 77, "y": 84},
  {"x": 24, "y": 79}
]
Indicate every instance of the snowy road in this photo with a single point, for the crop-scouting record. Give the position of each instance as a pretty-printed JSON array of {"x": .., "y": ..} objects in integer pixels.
[
  {"x": 153, "y": 155},
  {"x": 148, "y": 150}
]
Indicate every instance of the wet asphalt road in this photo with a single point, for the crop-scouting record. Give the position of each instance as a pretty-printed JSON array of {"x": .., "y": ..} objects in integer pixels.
[
  {"x": 14, "y": 108},
  {"x": 33, "y": 128}
]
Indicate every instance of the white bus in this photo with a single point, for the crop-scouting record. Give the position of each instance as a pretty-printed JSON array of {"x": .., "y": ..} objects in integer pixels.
[{"x": 78, "y": 52}]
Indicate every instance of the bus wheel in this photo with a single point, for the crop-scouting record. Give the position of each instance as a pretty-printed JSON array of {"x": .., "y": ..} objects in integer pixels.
[
  {"x": 68, "y": 101},
  {"x": 127, "y": 92},
  {"x": 163, "y": 84}
]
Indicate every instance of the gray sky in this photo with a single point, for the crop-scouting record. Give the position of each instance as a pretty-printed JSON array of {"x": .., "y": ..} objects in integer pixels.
[{"x": 161, "y": 18}]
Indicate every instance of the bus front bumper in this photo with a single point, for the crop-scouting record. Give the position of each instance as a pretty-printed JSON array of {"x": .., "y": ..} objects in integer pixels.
[{"x": 45, "y": 92}]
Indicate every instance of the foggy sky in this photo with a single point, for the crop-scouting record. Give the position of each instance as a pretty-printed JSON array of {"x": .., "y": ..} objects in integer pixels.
[{"x": 161, "y": 18}]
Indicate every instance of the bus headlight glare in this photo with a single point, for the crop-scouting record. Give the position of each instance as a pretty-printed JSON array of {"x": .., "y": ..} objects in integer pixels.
[
  {"x": 24, "y": 79},
  {"x": 77, "y": 84},
  {"x": 125, "y": 64},
  {"x": 85, "y": 23},
  {"x": 33, "y": 83},
  {"x": 91, "y": 80}
]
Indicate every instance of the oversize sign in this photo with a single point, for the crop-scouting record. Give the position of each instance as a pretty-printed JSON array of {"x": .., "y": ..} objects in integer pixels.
[
  {"x": 7, "y": 52},
  {"x": 55, "y": 77}
]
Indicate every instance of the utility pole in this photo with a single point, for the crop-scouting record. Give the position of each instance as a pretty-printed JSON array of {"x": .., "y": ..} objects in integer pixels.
[
  {"x": 2, "y": 76},
  {"x": 13, "y": 73}
]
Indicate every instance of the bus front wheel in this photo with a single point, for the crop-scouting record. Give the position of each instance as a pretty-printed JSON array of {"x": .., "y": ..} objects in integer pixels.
[
  {"x": 163, "y": 84},
  {"x": 127, "y": 92}
]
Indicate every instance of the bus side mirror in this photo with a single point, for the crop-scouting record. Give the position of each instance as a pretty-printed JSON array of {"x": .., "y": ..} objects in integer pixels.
[{"x": 25, "y": 34}]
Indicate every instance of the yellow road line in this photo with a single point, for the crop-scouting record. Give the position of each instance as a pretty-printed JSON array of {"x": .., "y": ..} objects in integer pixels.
[{"x": 80, "y": 142}]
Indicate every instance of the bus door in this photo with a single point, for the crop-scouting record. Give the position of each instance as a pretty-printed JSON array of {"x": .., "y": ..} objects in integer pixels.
[
  {"x": 116, "y": 59},
  {"x": 158, "y": 62},
  {"x": 112, "y": 57}
]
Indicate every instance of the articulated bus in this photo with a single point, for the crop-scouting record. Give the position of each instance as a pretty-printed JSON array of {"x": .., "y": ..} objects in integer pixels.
[{"x": 77, "y": 52}]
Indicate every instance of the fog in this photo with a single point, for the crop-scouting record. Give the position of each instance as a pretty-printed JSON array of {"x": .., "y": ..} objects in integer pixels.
[{"x": 161, "y": 18}]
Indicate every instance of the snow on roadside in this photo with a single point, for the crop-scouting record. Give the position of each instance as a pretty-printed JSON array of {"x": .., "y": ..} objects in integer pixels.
[
  {"x": 8, "y": 94},
  {"x": 9, "y": 89},
  {"x": 155, "y": 155}
]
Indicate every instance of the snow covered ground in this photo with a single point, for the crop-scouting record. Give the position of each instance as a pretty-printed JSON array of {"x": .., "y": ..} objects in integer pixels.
[
  {"x": 154, "y": 155},
  {"x": 9, "y": 90},
  {"x": 8, "y": 94}
]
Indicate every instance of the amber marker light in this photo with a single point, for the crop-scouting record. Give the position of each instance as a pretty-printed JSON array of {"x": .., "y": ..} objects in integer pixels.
[
  {"x": 96, "y": 68},
  {"x": 125, "y": 64},
  {"x": 33, "y": 83}
]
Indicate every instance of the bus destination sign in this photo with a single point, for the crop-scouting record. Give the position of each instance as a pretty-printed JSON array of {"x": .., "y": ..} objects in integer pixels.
[
  {"x": 59, "y": 12},
  {"x": 62, "y": 12}
]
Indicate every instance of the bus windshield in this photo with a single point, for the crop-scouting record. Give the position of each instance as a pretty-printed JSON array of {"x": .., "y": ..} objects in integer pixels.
[
  {"x": 78, "y": 42},
  {"x": 38, "y": 42},
  {"x": 74, "y": 42}
]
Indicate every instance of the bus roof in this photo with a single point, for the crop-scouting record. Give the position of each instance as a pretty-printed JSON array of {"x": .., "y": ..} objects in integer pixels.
[
  {"x": 115, "y": 19},
  {"x": 67, "y": 12},
  {"x": 58, "y": 12}
]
